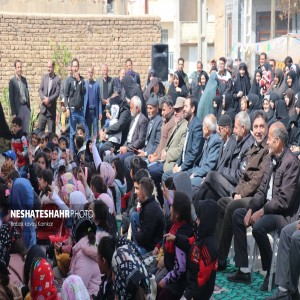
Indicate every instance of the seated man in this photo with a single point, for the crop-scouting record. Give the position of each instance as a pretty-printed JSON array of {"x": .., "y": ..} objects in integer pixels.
[
  {"x": 251, "y": 168},
  {"x": 208, "y": 159},
  {"x": 137, "y": 131},
  {"x": 153, "y": 136},
  {"x": 193, "y": 142},
  {"x": 288, "y": 263},
  {"x": 272, "y": 207},
  {"x": 173, "y": 148},
  {"x": 147, "y": 225},
  {"x": 221, "y": 183}
]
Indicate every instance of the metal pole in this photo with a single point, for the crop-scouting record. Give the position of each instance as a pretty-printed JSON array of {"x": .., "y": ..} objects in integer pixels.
[{"x": 272, "y": 33}]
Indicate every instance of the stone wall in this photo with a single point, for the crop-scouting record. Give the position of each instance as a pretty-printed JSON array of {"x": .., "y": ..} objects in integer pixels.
[{"x": 93, "y": 39}]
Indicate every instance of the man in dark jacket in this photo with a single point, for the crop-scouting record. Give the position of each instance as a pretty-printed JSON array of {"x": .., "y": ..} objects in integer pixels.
[
  {"x": 49, "y": 92},
  {"x": 19, "y": 97},
  {"x": 74, "y": 100},
  {"x": 193, "y": 142},
  {"x": 252, "y": 168},
  {"x": 273, "y": 206},
  {"x": 221, "y": 183},
  {"x": 147, "y": 225}
]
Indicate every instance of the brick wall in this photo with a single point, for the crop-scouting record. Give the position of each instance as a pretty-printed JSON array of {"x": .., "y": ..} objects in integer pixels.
[{"x": 92, "y": 39}]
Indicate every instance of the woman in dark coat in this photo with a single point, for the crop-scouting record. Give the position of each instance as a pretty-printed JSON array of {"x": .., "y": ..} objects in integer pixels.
[
  {"x": 200, "y": 87},
  {"x": 281, "y": 112},
  {"x": 292, "y": 81},
  {"x": 242, "y": 85},
  {"x": 4, "y": 129},
  {"x": 177, "y": 88}
]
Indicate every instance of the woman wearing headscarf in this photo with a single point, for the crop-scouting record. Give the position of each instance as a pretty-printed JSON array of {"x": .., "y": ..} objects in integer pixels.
[
  {"x": 42, "y": 281},
  {"x": 22, "y": 198},
  {"x": 289, "y": 99},
  {"x": 255, "y": 87},
  {"x": 281, "y": 112},
  {"x": 269, "y": 111},
  {"x": 133, "y": 89},
  {"x": 267, "y": 78},
  {"x": 292, "y": 81},
  {"x": 217, "y": 103},
  {"x": 227, "y": 108},
  {"x": 155, "y": 86},
  {"x": 8, "y": 291},
  {"x": 74, "y": 289},
  {"x": 242, "y": 85},
  {"x": 151, "y": 75},
  {"x": 205, "y": 106},
  {"x": 132, "y": 280},
  {"x": 202, "y": 251},
  {"x": 177, "y": 87},
  {"x": 279, "y": 84},
  {"x": 198, "y": 90}
]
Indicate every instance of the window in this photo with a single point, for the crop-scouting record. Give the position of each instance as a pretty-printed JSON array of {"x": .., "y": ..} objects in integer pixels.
[{"x": 164, "y": 36}]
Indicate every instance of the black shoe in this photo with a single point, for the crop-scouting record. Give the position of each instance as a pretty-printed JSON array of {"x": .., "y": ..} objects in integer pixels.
[
  {"x": 239, "y": 276},
  {"x": 279, "y": 295},
  {"x": 222, "y": 264},
  {"x": 264, "y": 286}
]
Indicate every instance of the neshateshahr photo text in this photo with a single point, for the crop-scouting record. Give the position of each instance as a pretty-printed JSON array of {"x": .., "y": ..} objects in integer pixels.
[{"x": 41, "y": 214}]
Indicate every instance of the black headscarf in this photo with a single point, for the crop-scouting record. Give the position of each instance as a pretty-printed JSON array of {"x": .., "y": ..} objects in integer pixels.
[
  {"x": 255, "y": 88},
  {"x": 243, "y": 83},
  {"x": 133, "y": 89},
  {"x": 275, "y": 97},
  {"x": 4, "y": 129},
  {"x": 281, "y": 86},
  {"x": 207, "y": 213},
  {"x": 218, "y": 109},
  {"x": 150, "y": 89},
  {"x": 281, "y": 112},
  {"x": 271, "y": 115},
  {"x": 291, "y": 108},
  {"x": 172, "y": 90},
  {"x": 295, "y": 83}
]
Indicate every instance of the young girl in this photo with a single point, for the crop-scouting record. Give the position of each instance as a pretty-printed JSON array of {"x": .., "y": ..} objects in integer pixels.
[
  {"x": 106, "y": 249},
  {"x": 172, "y": 285},
  {"x": 202, "y": 252},
  {"x": 119, "y": 182}
]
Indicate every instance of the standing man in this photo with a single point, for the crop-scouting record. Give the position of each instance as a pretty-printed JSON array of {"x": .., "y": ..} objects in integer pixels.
[
  {"x": 74, "y": 100},
  {"x": 106, "y": 89},
  {"x": 92, "y": 104},
  {"x": 135, "y": 75},
  {"x": 181, "y": 72},
  {"x": 49, "y": 92},
  {"x": 19, "y": 97}
]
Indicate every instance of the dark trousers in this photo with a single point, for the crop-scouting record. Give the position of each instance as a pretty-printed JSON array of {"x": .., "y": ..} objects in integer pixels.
[
  {"x": 265, "y": 225},
  {"x": 215, "y": 186},
  {"x": 48, "y": 120},
  {"x": 91, "y": 123},
  {"x": 156, "y": 171},
  {"x": 226, "y": 208}
]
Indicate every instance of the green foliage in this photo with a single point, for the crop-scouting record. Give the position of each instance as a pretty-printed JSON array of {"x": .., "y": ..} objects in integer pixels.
[
  {"x": 62, "y": 57},
  {"x": 33, "y": 119}
]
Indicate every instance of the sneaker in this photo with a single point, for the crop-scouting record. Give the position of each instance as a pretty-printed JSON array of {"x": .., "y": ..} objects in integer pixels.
[
  {"x": 239, "y": 276},
  {"x": 264, "y": 286},
  {"x": 222, "y": 264},
  {"x": 279, "y": 295}
]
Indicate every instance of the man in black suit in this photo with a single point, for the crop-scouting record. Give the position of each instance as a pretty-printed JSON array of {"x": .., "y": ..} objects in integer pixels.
[
  {"x": 19, "y": 97},
  {"x": 137, "y": 131},
  {"x": 135, "y": 75},
  {"x": 49, "y": 92}
]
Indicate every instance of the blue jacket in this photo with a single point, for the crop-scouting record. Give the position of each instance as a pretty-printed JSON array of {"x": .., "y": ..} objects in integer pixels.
[
  {"x": 98, "y": 101},
  {"x": 153, "y": 138},
  {"x": 208, "y": 159},
  {"x": 194, "y": 144}
]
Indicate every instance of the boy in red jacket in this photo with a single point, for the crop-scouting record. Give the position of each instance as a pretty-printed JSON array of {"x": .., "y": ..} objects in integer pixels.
[{"x": 19, "y": 144}]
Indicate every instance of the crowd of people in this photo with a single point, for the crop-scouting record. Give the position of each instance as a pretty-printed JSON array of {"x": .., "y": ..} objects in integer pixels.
[{"x": 157, "y": 182}]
